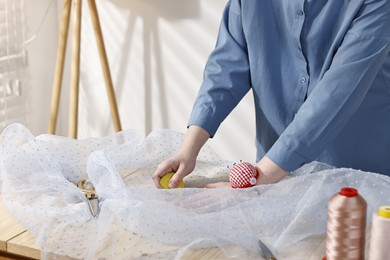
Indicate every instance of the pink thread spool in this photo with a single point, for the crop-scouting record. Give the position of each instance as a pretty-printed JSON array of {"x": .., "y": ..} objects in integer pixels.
[
  {"x": 380, "y": 234},
  {"x": 345, "y": 238},
  {"x": 243, "y": 175}
]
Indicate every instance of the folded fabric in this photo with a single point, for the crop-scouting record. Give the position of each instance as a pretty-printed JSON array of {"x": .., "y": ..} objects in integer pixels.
[{"x": 136, "y": 219}]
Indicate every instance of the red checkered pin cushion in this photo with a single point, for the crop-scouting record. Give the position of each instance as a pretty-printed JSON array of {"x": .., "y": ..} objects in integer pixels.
[{"x": 243, "y": 175}]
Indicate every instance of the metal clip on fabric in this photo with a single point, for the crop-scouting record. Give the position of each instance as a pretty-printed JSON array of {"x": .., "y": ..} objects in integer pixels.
[{"x": 89, "y": 192}]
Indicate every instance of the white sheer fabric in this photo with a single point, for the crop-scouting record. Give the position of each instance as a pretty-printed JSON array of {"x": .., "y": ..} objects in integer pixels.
[{"x": 136, "y": 220}]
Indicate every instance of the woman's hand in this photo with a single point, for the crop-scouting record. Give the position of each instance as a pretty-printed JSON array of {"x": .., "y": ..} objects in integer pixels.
[
  {"x": 218, "y": 185},
  {"x": 183, "y": 162},
  {"x": 269, "y": 172},
  {"x": 180, "y": 163}
]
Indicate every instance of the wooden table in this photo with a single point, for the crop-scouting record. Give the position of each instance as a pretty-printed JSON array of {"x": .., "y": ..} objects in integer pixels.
[{"x": 15, "y": 241}]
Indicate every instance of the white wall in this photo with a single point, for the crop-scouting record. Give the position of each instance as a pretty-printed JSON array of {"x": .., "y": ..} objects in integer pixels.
[
  {"x": 157, "y": 50},
  {"x": 41, "y": 58}
]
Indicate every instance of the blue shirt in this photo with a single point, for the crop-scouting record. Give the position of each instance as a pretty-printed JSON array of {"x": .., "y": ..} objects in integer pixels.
[{"x": 320, "y": 75}]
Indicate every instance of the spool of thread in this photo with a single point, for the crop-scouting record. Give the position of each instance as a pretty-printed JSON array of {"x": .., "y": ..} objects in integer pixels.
[
  {"x": 345, "y": 238},
  {"x": 380, "y": 235}
]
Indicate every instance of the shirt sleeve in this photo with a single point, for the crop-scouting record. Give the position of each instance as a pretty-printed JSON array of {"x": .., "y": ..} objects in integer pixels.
[
  {"x": 226, "y": 76},
  {"x": 338, "y": 95}
]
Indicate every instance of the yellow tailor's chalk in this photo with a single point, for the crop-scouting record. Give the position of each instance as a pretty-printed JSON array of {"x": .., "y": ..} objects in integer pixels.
[{"x": 166, "y": 178}]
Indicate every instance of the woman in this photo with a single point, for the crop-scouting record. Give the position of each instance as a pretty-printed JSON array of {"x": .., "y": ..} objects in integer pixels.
[{"x": 320, "y": 75}]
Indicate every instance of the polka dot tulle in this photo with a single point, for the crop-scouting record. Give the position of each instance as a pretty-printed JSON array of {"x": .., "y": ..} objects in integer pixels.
[{"x": 136, "y": 220}]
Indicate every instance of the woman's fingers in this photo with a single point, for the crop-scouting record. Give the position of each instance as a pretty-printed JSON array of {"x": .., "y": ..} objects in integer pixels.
[
  {"x": 162, "y": 169},
  {"x": 218, "y": 185}
]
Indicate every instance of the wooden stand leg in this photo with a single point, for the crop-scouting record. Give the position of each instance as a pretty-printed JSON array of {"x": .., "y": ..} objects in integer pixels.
[
  {"x": 105, "y": 66},
  {"x": 59, "y": 69},
  {"x": 75, "y": 70},
  {"x": 75, "y": 67}
]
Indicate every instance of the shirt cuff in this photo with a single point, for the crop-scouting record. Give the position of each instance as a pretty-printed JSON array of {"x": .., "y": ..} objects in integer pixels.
[
  {"x": 286, "y": 158},
  {"x": 203, "y": 117}
]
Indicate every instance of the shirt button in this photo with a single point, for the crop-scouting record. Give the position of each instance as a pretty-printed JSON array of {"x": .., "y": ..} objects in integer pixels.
[
  {"x": 303, "y": 80},
  {"x": 300, "y": 12}
]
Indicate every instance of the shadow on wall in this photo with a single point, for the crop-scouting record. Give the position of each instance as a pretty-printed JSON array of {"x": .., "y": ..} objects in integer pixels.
[
  {"x": 150, "y": 11},
  {"x": 168, "y": 9}
]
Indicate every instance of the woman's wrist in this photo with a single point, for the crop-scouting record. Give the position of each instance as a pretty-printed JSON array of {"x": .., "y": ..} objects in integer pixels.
[
  {"x": 194, "y": 140},
  {"x": 269, "y": 172}
]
